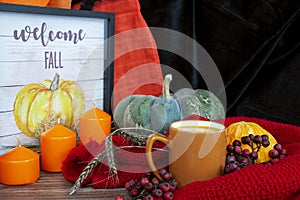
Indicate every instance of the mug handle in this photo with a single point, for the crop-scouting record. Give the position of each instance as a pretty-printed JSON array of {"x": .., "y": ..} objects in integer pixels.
[{"x": 149, "y": 143}]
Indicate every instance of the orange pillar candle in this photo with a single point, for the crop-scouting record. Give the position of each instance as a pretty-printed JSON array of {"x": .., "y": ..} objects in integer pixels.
[
  {"x": 19, "y": 166},
  {"x": 55, "y": 144},
  {"x": 95, "y": 124}
]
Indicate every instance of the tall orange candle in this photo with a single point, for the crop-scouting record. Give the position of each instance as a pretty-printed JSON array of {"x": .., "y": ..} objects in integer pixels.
[
  {"x": 55, "y": 144},
  {"x": 95, "y": 124},
  {"x": 19, "y": 166}
]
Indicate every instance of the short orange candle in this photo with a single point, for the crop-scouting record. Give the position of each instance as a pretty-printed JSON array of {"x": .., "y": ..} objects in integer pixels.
[
  {"x": 55, "y": 144},
  {"x": 95, "y": 124},
  {"x": 19, "y": 166}
]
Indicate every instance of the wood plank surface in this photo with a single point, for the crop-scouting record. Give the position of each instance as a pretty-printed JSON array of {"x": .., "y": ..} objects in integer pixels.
[{"x": 54, "y": 186}]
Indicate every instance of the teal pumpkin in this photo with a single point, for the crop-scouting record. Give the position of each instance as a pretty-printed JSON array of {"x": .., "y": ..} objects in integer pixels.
[
  {"x": 157, "y": 113},
  {"x": 200, "y": 102}
]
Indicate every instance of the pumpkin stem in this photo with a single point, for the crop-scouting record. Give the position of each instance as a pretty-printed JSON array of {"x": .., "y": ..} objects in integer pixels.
[
  {"x": 55, "y": 82},
  {"x": 166, "y": 86}
]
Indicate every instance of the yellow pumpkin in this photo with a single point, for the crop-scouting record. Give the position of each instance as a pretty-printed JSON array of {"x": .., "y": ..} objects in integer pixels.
[
  {"x": 239, "y": 129},
  {"x": 36, "y": 103}
]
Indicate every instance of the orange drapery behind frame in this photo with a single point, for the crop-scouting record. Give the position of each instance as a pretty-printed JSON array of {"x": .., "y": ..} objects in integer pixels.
[
  {"x": 42, "y": 3},
  {"x": 136, "y": 66}
]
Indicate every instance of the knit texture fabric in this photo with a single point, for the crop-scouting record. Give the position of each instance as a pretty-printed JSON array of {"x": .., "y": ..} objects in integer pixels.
[
  {"x": 278, "y": 181},
  {"x": 136, "y": 62},
  {"x": 130, "y": 162}
]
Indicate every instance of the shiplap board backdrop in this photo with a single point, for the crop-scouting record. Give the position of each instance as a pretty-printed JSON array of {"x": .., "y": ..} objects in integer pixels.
[{"x": 22, "y": 63}]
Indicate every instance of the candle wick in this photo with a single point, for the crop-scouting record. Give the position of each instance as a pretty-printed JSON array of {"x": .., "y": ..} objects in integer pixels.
[
  {"x": 94, "y": 104},
  {"x": 19, "y": 142}
]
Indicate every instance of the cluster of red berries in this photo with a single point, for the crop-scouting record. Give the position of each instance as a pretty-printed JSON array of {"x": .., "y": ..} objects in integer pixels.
[
  {"x": 150, "y": 187},
  {"x": 277, "y": 153},
  {"x": 238, "y": 158}
]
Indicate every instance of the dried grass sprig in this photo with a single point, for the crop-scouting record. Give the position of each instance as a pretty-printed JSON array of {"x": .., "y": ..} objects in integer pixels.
[
  {"x": 46, "y": 124},
  {"x": 50, "y": 121},
  {"x": 137, "y": 135},
  {"x": 109, "y": 150},
  {"x": 86, "y": 171}
]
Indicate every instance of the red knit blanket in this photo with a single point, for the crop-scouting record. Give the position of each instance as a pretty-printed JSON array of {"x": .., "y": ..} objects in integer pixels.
[{"x": 278, "y": 181}]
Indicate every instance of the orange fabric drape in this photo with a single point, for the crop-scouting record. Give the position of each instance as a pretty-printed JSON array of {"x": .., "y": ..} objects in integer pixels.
[
  {"x": 136, "y": 65},
  {"x": 43, "y": 3}
]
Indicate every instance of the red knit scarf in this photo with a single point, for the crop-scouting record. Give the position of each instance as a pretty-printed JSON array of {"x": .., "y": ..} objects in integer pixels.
[{"x": 278, "y": 181}]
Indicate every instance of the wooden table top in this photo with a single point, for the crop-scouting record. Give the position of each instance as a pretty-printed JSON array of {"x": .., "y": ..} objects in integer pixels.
[{"x": 54, "y": 186}]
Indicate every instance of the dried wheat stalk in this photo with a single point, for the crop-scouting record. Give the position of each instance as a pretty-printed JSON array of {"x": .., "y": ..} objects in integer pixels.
[
  {"x": 136, "y": 135},
  {"x": 86, "y": 171}
]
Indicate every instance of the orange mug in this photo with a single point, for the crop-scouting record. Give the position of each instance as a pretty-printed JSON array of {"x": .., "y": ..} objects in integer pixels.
[{"x": 197, "y": 150}]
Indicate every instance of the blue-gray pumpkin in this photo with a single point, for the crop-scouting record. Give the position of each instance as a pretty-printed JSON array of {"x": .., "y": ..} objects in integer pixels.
[{"x": 157, "y": 113}]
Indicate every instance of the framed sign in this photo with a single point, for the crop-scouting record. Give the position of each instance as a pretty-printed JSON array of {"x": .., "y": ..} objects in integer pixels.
[{"x": 48, "y": 47}]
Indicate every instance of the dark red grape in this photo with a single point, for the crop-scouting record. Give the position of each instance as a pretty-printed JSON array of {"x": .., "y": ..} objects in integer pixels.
[
  {"x": 129, "y": 185},
  {"x": 251, "y": 136},
  {"x": 265, "y": 137},
  {"x": 149, "y": 186},
  {"x": 265, "y": 143},
  {"x": 273, "y": 153},
  {"x": 284, "y": 152},
  {"x": 254, "y": 155},
  {"x": 155, "y": 181},
  {"x": 165, "y": 186},
  {"x": 168, "y": 196},
  {"x": 237, "y": 149},
  {"x": 257, "y": 139},
  {"x": 157, "y": 193},
  {"x": 246, "y": 152},
  {"x": 162, "y": 171},
  {"x": 232, "y": 167},
  {"x": 243, "y": 161},
  {"x": 230, "y": 159},
  {"x": 144, "y": 181},
  {"x": 236, "y": 143},
  {"x": 230, "y": 148},
  {"x": 173, "y": 185},
  {"x": 134, "y": 192},
  {"x": 167, "y": 176},
  {"x": 278, "y": 147},
  {"x": 245, "y": 140}
]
